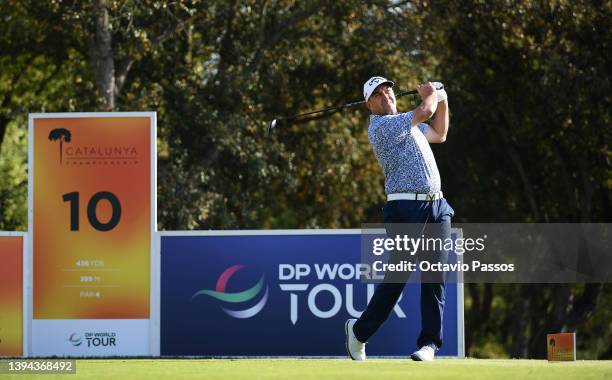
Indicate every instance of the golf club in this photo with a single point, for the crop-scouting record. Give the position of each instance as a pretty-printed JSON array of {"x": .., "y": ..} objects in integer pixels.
[{"x": 330, "y": 110}]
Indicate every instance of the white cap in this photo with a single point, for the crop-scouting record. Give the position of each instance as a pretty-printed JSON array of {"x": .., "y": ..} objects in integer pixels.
[{"x": 371, "y": 84}]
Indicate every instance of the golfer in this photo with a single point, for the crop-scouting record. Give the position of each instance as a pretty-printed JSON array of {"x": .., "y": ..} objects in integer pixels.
[{"x": 400, "y": 142}]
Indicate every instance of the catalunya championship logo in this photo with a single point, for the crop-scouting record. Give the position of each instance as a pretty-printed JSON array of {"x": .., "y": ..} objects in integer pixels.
[{"x": 237, "y": 298}]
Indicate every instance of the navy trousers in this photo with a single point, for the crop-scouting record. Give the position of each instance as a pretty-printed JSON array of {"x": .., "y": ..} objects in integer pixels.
[{"x": 420, "y": 215}]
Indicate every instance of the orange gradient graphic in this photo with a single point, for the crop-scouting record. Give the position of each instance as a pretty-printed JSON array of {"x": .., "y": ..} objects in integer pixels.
[
  {"x": 91, "y": 273},
  {"x": 11, "y": 295},
  {"x": 561, "y": 347}
]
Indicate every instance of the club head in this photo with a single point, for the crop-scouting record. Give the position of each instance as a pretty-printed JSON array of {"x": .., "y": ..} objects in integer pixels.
[{"x": 272, "y": 125}]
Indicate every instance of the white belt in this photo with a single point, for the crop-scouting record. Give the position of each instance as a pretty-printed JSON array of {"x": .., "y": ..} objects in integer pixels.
[{"x": 415, "y": 196}]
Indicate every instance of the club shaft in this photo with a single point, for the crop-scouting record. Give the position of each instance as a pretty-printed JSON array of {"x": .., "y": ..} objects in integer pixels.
[
  {"x": 348, "y": 105},
  {"x": 330, "y": 110}
]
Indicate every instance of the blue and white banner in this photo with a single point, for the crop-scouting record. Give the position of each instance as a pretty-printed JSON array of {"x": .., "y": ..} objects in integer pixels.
[{"x": 280, "y": 293}]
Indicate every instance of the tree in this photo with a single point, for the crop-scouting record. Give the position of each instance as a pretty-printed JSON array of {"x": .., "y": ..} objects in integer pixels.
[
  {"x": 524, "y": 77},
  {"x": 121, "y": 33},
  {"x": 232, "y": 175}
]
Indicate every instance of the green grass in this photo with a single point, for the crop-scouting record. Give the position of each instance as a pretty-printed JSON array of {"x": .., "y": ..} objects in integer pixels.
[{"x": 456, "y": 369}]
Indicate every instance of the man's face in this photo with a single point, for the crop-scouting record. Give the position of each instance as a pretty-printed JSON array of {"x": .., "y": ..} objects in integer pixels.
[{"x": 382, "y": 101}]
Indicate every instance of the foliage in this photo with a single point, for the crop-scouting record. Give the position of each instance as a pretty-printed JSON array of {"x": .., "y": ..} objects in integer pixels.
[
  {"x": 531, "y": 140},
  {"x": 14, "y": 181}
]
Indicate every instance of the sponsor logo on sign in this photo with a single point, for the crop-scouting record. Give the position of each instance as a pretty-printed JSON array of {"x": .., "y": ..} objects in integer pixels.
[
  {"x": 75, "y": 339},
  {"x": 92, "y": 154},
  {"x": 93, "y": 339},
  {"x": 62, "y": 135},
  {"x": 237, "y": 298}
]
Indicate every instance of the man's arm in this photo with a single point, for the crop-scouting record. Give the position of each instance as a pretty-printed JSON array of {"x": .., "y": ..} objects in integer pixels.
[
  {"x": 429, "y": 103},
  {"x": 439, "y": 126}
]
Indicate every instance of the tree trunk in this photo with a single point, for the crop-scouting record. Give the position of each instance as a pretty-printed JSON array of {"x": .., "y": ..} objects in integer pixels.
[
  {"x": 472, "y": 318},
  {"x": 519, "y": 327},
  {"x": 101, "y": 54},
  {"x": 480, "y": 312},
  {"x": 3, "y": 124}
]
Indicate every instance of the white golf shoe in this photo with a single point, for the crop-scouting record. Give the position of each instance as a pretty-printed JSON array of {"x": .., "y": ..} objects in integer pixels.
[
  {"x": 354, "y": 348},
  {"x": 425, "y": 353}
]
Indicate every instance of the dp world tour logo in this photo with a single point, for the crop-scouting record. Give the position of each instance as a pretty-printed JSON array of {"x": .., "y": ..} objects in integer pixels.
[
  {"x": 75, "y": 339},
  {"x": 237, "y": 298}
]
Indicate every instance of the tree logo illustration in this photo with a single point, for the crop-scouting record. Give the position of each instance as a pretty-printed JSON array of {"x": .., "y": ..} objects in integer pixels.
[
  {"x": 552, "y": 345},
  {"x": 61, "y": 134}
]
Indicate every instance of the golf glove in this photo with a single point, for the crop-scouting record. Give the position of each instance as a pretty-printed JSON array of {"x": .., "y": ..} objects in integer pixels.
[{"x": 441, "y": 94}]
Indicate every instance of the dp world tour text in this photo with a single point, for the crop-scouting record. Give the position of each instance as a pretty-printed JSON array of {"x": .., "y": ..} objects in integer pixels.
[{"x": 306, "y": 281}]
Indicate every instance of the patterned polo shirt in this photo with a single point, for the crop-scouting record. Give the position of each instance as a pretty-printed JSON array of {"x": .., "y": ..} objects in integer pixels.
[{"x": 404, "y": 154}]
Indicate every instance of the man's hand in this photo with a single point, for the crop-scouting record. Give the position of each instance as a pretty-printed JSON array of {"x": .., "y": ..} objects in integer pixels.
[
  {"x": 425, "y": 89},
  {"x": 440, "y": 92},
  {"x": 429, "y": 103}
]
